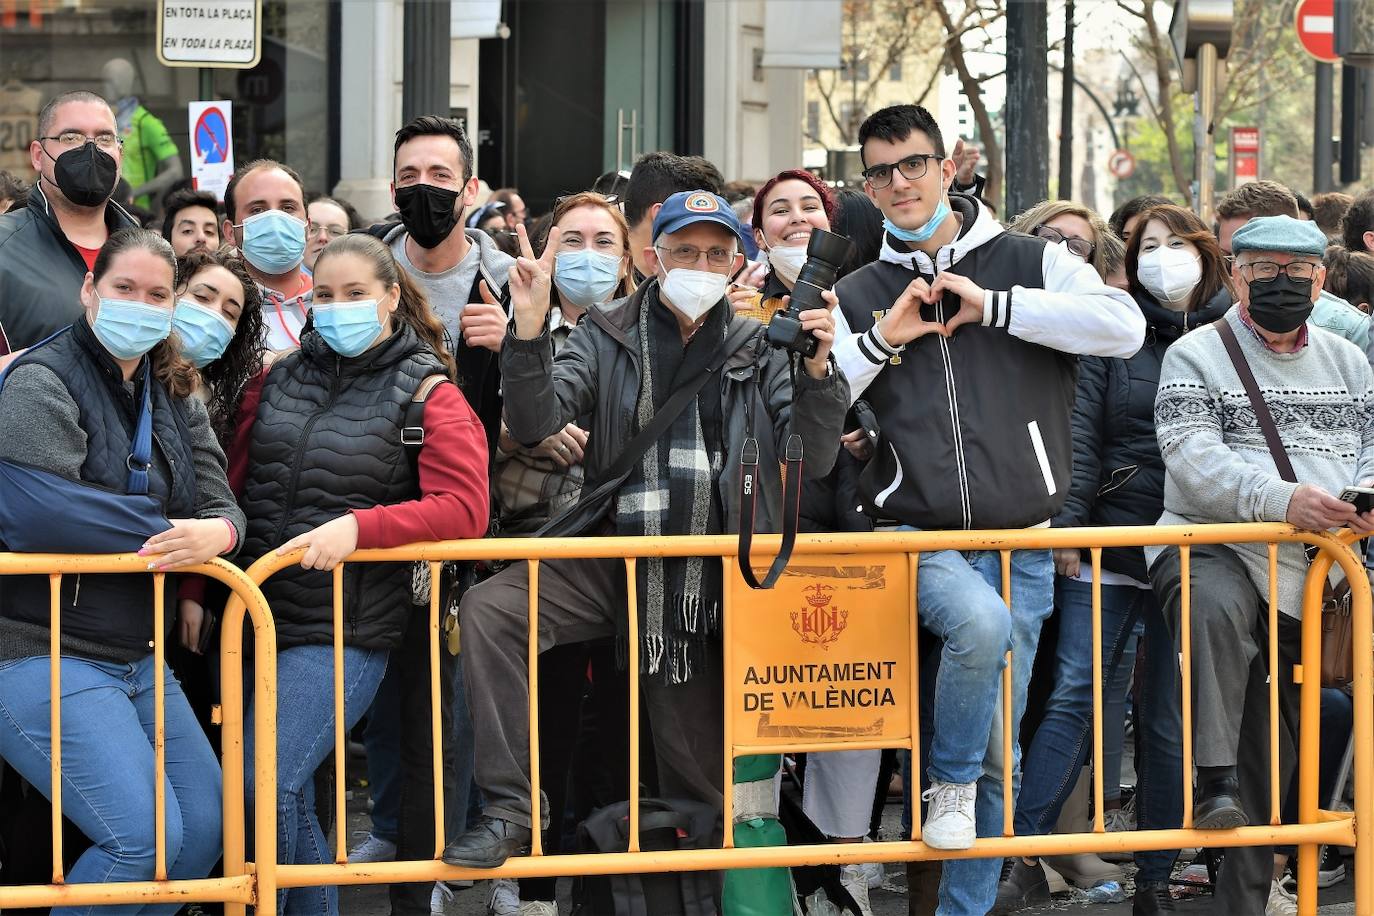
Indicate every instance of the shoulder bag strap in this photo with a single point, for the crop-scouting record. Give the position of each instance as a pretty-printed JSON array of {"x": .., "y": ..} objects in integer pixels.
[
  {"x": 141, "y": 453},
  {"x": 413, "y": 427},
  {"x": 1262, "y": 414}
]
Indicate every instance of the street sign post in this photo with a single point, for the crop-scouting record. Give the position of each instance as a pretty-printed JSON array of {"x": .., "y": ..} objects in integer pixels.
[
  {"x": 1315, "y": 21},
  {"x": 1121, "y": 164},
  {"x": 212, "y": 145},
  {"x": 209, "y": 33},
  {"x": 1245, "y": 155}
]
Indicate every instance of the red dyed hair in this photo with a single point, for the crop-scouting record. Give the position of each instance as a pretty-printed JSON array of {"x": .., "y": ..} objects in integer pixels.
[{"x": 821, "y": 188}]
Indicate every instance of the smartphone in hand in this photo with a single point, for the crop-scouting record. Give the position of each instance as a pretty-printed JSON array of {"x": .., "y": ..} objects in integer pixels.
[{"x": 1361, "y": 497}]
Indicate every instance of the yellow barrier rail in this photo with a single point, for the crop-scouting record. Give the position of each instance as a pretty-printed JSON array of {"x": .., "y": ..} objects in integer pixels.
[
  {"x": 239, "y": 886},
  {"x": 1315, "y": 826}
]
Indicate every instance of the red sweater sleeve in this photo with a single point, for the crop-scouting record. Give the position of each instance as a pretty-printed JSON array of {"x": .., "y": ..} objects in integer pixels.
[{"x": 454, "y": 490}]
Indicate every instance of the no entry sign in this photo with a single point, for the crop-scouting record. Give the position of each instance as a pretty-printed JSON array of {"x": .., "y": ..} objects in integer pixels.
[
  {"x": 1121, "y": 164},
  {"x": 1315, "y": 21}
]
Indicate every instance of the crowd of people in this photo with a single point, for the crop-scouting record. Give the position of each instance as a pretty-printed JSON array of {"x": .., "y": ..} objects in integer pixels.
[{"x": 279, "y": 373}]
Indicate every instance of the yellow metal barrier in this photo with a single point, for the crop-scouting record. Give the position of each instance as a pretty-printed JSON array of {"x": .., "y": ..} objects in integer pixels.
[
  {"x": 1315, "y": 826},
  {"x": 239, "y": 886}
]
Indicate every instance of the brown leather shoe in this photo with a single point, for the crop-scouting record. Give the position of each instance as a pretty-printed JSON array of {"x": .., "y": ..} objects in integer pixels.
[{"x": 923, "y": 887}]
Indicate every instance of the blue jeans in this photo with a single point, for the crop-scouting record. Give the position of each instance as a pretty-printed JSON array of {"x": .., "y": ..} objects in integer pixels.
[
  {"x": 305, "y": 736},
  {"x": 107, "y": 770},
  {"x": 1063, "y": 741},
  {"x": 382, "y": 738},
  {"x": 960, "y": 601}
]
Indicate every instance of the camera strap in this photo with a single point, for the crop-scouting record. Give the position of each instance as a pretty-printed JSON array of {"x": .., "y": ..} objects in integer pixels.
[{"x": 748, "y": 498}]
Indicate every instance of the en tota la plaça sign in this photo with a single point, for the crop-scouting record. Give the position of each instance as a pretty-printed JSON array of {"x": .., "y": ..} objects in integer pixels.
[{"x": 209, "y": 33}]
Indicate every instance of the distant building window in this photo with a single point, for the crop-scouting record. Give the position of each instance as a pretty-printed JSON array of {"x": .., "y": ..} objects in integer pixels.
[
  {"x": 894, "y": 72},
  {"x": 852, "y": 70},
  {"x": 813, "y": 118}
]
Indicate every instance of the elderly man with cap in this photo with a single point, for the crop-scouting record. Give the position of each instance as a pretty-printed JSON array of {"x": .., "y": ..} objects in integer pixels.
[
  {"x": 1312, "y": 394},
  {"x": 621, "y": 367}
]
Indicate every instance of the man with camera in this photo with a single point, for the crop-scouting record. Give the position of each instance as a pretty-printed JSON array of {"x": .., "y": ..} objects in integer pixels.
[
  {"x": 964, "y": 342},
  {"x": 674, "y": 383}
]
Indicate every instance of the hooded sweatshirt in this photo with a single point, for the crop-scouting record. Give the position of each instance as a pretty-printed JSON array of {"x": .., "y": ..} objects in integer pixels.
[{"x": 975, "y": 428}]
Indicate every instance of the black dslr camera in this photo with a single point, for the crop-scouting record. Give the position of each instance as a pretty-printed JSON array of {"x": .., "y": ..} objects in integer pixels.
[{"x": 824, "y": 254}]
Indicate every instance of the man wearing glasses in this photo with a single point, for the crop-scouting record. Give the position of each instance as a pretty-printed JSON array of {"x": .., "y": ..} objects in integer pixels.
[
  {"x": 47, "y": 247},
  {"x": 964, "y": 341},
  {"x": 1219, "y": 468}
]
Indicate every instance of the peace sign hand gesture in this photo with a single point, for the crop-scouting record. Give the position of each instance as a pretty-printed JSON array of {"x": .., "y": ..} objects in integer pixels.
[{"x": 530, "y": 282}]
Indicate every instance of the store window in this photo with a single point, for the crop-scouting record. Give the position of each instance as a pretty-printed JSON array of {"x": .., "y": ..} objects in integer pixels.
[{"x": 281, "y": 107}]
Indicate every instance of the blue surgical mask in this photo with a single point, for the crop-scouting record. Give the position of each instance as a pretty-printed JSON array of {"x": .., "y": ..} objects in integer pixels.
[
  {"x": 925, "y": 232},
  {"x": 128, "y": 328},
  {"x": 348, "y": 327},
  {"x": 204, "y": 332},
  {"x": 273, "y": 241},
  {"x": 586, "y": 278}
]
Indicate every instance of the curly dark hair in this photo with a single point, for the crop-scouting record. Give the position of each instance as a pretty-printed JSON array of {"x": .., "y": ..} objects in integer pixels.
[{"x": 228, "y": 376}]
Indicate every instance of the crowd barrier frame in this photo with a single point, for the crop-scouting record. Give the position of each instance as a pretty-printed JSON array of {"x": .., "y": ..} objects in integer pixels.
[
  {"x": 239, "y": 885},
  {"x": 257, "y": 882}
]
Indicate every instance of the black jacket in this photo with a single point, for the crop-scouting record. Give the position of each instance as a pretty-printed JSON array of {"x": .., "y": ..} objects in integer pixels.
[
  {"x": 975, "y": 427},
  {"x": 41, "y": 272},
  {"x": 112, "y": 610},
  {"x": 1118, "y": 473},
  {"x": 327, "y": 439}
]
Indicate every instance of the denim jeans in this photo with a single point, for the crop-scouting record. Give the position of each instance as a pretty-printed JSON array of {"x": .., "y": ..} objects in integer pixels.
[
  {"x": 305, "y": 736},
  {"x": 1063, "y": 741},
  {"x": 382, "y": 738},
  {"x": 960, "y": 601},
  {"x": 107, "y": 770},
  {"x": 1115, "y": 693}
]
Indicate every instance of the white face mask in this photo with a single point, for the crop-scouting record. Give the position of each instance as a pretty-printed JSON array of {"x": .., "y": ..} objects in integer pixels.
[
  {"x": 1169, "y": 274},
  {"x": 693, "y": 292},
  {"x": 787, "y": 261}
]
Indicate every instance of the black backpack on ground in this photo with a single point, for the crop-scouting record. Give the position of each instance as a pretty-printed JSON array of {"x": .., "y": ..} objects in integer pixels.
[{"x": 664, "y": 824}]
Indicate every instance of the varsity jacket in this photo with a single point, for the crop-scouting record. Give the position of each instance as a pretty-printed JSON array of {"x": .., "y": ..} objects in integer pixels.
[{"x": 975, "y": 428}]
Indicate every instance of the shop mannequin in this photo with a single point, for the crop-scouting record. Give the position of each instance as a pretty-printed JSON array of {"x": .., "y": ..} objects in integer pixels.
[{"x": 152, "y": 162}]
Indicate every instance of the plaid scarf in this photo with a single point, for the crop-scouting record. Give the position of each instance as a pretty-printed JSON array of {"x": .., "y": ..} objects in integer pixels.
[{"x": 672, "y": 492}]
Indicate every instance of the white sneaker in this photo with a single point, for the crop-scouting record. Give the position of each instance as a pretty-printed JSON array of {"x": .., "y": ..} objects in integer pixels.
[
  {"x": 538, "y": 908},
  {"x": 505, "y": 898},
  {"x": 373, "y": 849},
  {"x": 439, "y": 898},
  {"x": 854, "y": 879},
  {"x": 1281, "y": 901},
  {"x": 875, "y": 873},
  {"x": 950, "y": 820}
]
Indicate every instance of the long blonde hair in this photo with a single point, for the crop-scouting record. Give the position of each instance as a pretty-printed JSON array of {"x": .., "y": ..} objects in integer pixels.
[{"x": 1104, "y": 251}]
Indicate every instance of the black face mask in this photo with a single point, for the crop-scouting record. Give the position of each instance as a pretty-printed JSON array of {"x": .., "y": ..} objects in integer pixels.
[
  {"x": 1282, "y": 304},
  {"x": 86, "y": 175},
  {"x": 428, "y": 212}
]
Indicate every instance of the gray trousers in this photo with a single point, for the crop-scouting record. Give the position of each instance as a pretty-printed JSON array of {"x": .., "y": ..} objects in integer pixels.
[
  {"x": 1230, "y": 640},
  {"x": 579, "y": 600}
]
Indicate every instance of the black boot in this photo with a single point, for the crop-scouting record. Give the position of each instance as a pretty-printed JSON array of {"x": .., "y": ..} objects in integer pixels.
[
  {"x": 1024, "y": 886},
  {"x": 1152, "y": 897},
  {"x": 487, "y": 845},
  {"x": 1218, "y": 806}
]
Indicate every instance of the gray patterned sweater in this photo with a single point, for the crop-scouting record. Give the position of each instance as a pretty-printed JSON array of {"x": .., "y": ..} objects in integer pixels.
[{"x": 1218, "y": 468}]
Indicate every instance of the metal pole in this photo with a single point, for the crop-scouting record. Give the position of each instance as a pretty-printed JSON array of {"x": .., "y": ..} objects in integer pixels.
[
  {"x": 1321, "y": 129},
  {"x": 207, "y": 84},
  {"x": 425, "y": 67},
  {"x": 1203, "y": 129},
  {"x": 1066, "y": 109},
  {"x": 1350, "y": 123},
  {"x": 1028, "y": 118}
]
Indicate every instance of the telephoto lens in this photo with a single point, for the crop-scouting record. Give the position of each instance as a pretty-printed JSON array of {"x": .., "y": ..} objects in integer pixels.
[{"x": 824, "y": 254}]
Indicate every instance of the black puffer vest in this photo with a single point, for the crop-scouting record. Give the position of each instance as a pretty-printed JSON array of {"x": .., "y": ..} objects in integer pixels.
[
  {"x": 327, "y": 439},
  {"x": 114, "y": 610}
]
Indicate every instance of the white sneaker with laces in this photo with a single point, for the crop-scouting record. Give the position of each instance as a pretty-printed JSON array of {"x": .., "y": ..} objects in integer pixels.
[
  {"x": 439, "y": 899},
  {"x": 854, "y": 879},
  {"x": 538, "y": 908},
  {"x": 1281, "y": 901},
  {"x": 505, "y": 898},
  {"x": 876, "y": 874},
  {"x": 950, "y": 820},
  {"x": 373, "y": 849}
]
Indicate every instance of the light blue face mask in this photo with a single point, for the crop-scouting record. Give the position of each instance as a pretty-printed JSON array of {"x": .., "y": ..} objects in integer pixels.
[
  {"x": 128, "y": 328},
  {"x": 204, "y": 332},
  {"x": 273, "y": 241},
  {"x": 348, "y": 327},
  {"x": 925, "y": 232},
  {"x": 585, "y": 278}
]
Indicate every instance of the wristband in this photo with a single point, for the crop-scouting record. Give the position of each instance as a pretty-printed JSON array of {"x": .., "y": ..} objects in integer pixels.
[{"x": 233, "y": 536}]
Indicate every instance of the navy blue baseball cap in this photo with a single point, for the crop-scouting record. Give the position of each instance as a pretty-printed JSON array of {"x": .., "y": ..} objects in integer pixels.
[{"x": 687, "y": 207}]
